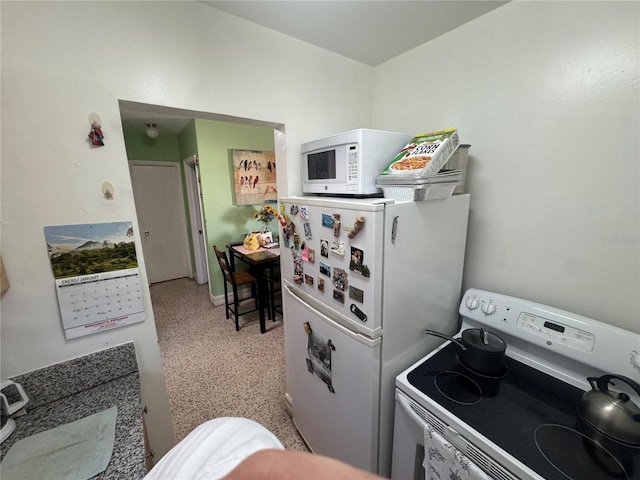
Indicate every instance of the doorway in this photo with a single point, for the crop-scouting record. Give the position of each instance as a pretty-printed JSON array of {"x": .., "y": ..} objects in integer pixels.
[
  {"x": 194, "y": 198},
  {"x": 157, "y": 191}
]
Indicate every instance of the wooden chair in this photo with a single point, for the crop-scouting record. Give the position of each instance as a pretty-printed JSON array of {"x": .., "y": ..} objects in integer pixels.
[
  {"x": 236, "y": 278},
  {"x": 275, "y": 291}
]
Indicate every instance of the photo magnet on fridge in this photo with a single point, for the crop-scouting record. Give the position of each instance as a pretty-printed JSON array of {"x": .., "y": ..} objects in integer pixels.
[
  {"x": 337, "y": 247},
  {"x": 357, "y": 256},
  {"x": 356, "y": 294},
  {"x": 340, "y": 279},
  {"x": 325, "y": 269},
  {"x": 319, "y": 358},
  {"x": 327, "y": 220},
  {"x": 324, "y": 248}
]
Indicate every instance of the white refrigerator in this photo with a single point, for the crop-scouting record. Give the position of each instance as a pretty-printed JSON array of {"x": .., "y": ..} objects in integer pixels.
[{"x": 362, "y": 280}]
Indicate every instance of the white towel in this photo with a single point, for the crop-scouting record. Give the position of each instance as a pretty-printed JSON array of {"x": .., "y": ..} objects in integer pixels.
[
  {"x": 443, "y": 460},
  {"x": 213, "y": 449}
]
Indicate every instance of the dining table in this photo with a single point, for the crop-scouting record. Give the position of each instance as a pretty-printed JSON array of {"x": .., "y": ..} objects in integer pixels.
[{"x": 259, "y": 262}]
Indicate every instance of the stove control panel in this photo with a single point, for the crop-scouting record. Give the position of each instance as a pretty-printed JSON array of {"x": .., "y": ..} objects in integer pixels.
[{"x": 557, "y": 332}]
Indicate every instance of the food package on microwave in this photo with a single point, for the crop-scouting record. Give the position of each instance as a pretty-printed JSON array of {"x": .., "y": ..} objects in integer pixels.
[{"x": 425, "y": 154}]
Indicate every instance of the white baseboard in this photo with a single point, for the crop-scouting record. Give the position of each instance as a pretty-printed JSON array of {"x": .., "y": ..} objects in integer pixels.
[{"x": 218, "y": 300}]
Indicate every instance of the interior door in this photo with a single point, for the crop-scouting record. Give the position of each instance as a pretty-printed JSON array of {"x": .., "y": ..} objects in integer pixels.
[
  {"x": 194, "y": 194},
  {"x": 157, "y": 190}
]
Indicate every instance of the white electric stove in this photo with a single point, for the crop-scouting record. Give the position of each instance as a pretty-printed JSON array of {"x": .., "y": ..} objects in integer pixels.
[{"x": 520, "y": 423}]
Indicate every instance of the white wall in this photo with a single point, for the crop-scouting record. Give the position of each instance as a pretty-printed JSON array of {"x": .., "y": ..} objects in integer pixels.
[
  {"x": 63, "y": 60},
  {"x": 547, "y": 95}
]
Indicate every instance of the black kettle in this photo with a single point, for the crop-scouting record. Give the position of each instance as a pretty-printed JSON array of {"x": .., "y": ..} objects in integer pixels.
[{"x": 612, "y": 414}]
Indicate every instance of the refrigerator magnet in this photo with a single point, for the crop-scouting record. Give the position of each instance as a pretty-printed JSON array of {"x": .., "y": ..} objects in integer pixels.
[
  {"x": 304, "y": 213},
  {"x": 324, "y": 248},
  {"x": 337, "y": 247},
  {"x": 340, "y": 279},
  {"x": 327, "y": 220},
  {"x": 312, "y": 255},
  {"x": 305, "y": 254},
  {"x": 307, "y": 230},
  {"x": 357, "y": 256},
  {"x": 321, "y": 285},
  {"x": 357, "y": 312},
  {"x": 356, "y": 294},
  {"x": 308, "y": 279},
  {"x": 338, "y": 295},
  {"x": 336, "y": 225},
  {"x": 294, "y": 210},
  {"x": 325, "y": 269},
  {"x": 319, "y": 358},
  {"x": 297, "y": 270},
  {"x": 357, "y": 226},
  {"x": 364, "y": 271}
]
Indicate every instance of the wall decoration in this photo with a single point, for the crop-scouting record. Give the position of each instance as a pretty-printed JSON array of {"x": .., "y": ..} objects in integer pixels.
[
  {"x": 96, "y": 137},
  {"x": 96, "y": 275},
  {"x": 254, "y": 176}
]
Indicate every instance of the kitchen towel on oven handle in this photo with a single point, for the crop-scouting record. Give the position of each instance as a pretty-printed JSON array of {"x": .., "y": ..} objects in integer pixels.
[{"x": 443, "y": 460}]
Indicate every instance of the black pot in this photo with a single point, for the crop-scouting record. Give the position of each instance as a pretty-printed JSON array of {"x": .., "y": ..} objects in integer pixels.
[{"x": 482, "y": 350}]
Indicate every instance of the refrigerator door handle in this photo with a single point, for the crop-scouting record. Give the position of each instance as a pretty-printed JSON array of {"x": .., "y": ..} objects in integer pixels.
[
  {"x": 360, "y": 338},
  {"x": 394, "y": 229}
]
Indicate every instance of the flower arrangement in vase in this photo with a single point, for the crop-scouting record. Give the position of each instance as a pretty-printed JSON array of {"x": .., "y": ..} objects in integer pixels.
[{"x": 264, "y": 216}]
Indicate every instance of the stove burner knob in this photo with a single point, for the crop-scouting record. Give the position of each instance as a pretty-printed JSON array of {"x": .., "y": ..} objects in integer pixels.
[
  {"x": 488, "y": 308},
  {"x": 471, "y": 303}
]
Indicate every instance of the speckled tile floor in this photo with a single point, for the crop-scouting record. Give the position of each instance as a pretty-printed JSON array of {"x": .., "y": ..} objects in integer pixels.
[{"x": 213, "y": 371}]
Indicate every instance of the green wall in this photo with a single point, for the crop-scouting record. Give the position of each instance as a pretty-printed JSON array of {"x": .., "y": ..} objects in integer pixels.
[{"x": 224, "y": 221}]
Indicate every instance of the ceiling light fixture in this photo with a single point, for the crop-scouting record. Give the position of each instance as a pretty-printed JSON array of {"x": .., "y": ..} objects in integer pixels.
[{"x": 152, "y": 131}]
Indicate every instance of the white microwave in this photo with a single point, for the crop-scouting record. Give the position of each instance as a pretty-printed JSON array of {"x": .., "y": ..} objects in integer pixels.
[{"x": 349, "y": 163}]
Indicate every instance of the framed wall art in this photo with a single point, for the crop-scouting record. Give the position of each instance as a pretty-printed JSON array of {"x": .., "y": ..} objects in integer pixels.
[{"x": 254, "y": 176}]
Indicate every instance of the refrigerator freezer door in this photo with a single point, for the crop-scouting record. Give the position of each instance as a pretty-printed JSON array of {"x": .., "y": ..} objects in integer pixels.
[
  {"x": 330, "y": 263},
  {"x": 333, "y": 381}
]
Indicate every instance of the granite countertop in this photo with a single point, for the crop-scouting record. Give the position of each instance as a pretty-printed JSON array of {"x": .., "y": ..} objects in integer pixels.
[{"x": 120, "y": 386}]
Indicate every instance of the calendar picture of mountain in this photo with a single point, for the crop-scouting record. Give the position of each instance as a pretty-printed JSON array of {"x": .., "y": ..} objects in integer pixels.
[{"x": 88, "y": 249}]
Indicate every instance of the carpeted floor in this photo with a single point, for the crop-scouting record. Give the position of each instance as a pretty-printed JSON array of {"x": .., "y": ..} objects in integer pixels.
[{"x": 213, "y": 371}]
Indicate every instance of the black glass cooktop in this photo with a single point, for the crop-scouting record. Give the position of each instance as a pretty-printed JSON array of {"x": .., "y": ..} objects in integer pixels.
[{"x": 527, "y": 413}]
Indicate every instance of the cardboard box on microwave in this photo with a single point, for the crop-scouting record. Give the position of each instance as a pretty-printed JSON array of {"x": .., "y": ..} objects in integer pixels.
[{"x": 425, "y": 154}]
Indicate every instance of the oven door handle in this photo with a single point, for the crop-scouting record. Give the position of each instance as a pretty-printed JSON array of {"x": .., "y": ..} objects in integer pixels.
[{"x": 450, "y": 434}]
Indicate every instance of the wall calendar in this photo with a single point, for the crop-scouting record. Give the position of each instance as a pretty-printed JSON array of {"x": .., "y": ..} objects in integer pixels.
[{"x": 97, "y": 276}]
